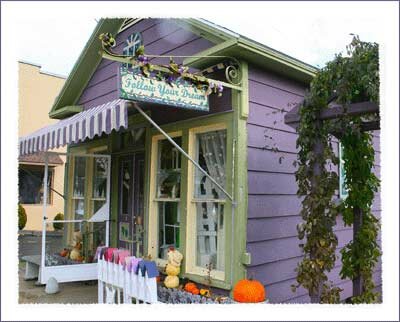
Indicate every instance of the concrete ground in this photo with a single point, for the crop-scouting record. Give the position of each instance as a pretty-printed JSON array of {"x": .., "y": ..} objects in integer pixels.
[{"x": 70, "y": 293}]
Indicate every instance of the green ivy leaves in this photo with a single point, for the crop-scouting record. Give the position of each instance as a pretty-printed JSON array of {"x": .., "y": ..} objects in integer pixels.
[{"x": 350, "y": 79}]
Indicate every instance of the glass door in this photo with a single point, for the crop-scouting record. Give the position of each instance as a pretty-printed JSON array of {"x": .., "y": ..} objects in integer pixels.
[{"x": 131, "y": 203}]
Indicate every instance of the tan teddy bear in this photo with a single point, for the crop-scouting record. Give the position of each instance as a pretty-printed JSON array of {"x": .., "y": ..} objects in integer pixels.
[
  {"x": 173, "y": 268},
  {"x": 77, "y": 245}
]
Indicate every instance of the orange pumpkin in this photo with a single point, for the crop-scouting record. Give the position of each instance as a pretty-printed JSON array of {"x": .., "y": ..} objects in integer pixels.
[
  {"x": 249, "y": 291},
  {"x": 189, "y": 287},
  {"x": 195, "y": 291}
]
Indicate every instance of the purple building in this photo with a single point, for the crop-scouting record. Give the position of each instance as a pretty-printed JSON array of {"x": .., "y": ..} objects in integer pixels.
[{"x": 244, "y": 223}]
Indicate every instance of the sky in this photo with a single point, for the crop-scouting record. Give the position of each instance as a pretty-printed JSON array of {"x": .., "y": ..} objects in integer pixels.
[
  {"x": 53, "y": 34},
  {"x": 311, "y": 32}
]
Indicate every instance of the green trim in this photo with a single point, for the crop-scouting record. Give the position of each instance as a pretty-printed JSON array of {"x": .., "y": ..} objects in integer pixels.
[
  {"x": 184, "y": 127},
  {"x": 187, "y": 124},
  {"x": 147, "y": 160},
  {"x": 240, "y": 102},
  {"x": 65, "y": 111},
  {"x": 214, "y": 283},
  {"x": 90, "y": 144},
  {"x": 257, "y": 54},
  {"x": 85, "y": 66},
  {"x": 183, "y": 199}
]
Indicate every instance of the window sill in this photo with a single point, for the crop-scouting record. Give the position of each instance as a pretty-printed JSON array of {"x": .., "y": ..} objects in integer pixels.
[
  {"x": 35, "y": 204},
  {"x": 203, "y": 280}
]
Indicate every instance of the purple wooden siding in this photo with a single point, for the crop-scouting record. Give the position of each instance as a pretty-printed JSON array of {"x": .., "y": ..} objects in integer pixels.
[
  {"x": 273, "y": 207},
  {"x": 160, "y": 37}
]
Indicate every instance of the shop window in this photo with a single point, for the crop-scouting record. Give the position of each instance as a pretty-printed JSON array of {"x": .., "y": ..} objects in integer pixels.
[
  {"x": 169, "y": 233},
  {"x": 168, "y": 196},
  {"x": 209, "y": 200},
  {"x": 78, "y": 194},
  {"x": 88, "y": 193},
  {"x": 133, "y": 42},
  {"x": 30, "y": 180}
]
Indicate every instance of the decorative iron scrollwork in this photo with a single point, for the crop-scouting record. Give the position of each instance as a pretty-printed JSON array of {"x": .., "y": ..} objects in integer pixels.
[{"x": 233, "y": 74}]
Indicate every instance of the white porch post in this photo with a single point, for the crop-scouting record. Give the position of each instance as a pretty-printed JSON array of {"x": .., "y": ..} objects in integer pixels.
[
  {"x": 44, "y": 214},
  {"x": 108, "y": 200}
]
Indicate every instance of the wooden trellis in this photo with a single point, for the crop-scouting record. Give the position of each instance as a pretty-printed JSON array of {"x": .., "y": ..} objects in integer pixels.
[{"x": 336, "y": 111}]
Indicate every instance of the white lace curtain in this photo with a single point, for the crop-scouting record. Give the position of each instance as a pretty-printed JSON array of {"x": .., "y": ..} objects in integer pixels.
[{"x": 213, "y": 145}]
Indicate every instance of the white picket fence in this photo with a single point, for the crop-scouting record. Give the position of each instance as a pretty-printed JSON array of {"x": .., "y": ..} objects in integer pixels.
[{"x": 117, "y": 285}]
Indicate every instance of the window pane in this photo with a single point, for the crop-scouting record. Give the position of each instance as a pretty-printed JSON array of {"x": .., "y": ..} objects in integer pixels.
[
  {"x": 100, "y": 178},
  {"x": 126, "y": 186},
  {"x": 140, "y": 175},
  {"x": 79, "y": 176},
  {"x": 79, "y": 211},
  {"x": 211, "y": 155},
  {"x": 97, "y": 204},
  {"x": 210, "y": 235},
  {"x": 169, "y": 170},
  {"x": 168, "y": 227},
  {"x": 134, "y": 138},
  {"x": 31, "y": 184},
  {"x": 78, "y": 247}
]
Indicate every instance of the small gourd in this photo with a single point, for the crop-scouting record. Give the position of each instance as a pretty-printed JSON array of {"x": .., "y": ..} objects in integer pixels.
[
  {"x": 205, "y": 292},
  {"x": 249, "y": 291}
]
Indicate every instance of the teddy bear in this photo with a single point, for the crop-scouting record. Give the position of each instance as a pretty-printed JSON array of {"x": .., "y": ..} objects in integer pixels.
[
  {"x": 77, "y": 245},
  {"x": 173, "y": 268}
]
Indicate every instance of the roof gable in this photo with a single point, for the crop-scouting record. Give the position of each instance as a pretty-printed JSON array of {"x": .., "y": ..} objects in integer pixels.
[
  {"x": 227, "y": 43},
  {"x": 83, "y": 68}
]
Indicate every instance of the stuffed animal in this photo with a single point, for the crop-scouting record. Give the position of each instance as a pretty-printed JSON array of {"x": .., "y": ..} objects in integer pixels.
[
  {"x": 77, "y": 245},
  {"x": 173, "y": 268}
]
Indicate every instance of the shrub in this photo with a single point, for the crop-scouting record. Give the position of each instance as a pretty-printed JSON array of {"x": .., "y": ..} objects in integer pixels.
[
  {"x": 21, "y": 217},
  {"x": 58, "y": 225}
]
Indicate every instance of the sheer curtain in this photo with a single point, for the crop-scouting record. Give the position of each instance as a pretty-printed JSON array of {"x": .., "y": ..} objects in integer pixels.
[
  {"x": 214, "y": 153},
  {"x": 210, "y": 221}
]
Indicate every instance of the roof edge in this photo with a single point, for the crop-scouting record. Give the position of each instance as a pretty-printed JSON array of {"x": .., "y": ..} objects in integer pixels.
[{"x": 269, "y": 59}]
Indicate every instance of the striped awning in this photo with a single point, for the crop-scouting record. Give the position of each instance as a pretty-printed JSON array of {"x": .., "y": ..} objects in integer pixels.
[{"x": 95, "y": 121}]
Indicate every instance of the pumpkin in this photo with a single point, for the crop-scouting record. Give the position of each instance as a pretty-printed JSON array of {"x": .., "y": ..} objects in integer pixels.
[
  {"x": 171, "y": 281},
  {"x": 249, "y": 291},
  {"x": 189, "y": 287},
  {"x": 172, "y": 270},
  {"x": 192, "y": 288}
]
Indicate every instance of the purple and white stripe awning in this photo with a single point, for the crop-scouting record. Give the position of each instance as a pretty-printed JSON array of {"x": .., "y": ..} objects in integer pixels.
[{"x": 95, "y": 121}]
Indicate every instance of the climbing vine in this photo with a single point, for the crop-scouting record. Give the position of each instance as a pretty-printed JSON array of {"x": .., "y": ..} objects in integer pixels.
[
  {"x": 170, "y": 73},
  {"x": 350, "y": 79}
]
